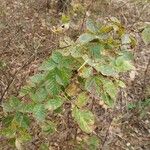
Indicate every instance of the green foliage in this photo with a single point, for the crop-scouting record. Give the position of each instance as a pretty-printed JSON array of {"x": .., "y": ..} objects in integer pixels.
[
  {"x": 93, "y": 63},
  {"x": 142, "y": 107},
  {"x": 84, "y": 118},
  {"x": 146, "y": 35}
]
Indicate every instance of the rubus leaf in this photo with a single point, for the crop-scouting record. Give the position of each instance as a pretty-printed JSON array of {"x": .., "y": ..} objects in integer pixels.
[
  {"x": 57, "y": 60},
  {"x": 51, "y": 84},
  {"x": 84, "y": 118},
  {"x": 57, "y": 57},
  {"x": 95, "y": 49},
  {"x": 27, "y": 108},
  {"x": 48, "y": 65},
  {"x": 123, "y": 65},
  {"x": 36, "y": 79},
  {"x": 85, "y": 38},
  {"x": 39, "y": 112},
  {"x": 25, "y": 90},
  {"x": 107, "y": 70},
  {"x": 44, "y": 146},
  {"x": 93, "y": 85},
  {"x": 91, "y": 26},
  {"x": 48, "y": 127},
  {"x": 86, "y": 72},
  {"x": 82, "y": 100},
  {"x": 146, "y": 35},
  {"x": 63, "y": 76},
  {"x": 40, "y": 95},
  {"x": 107, "y": 99},
  {"x": 6, "y": 121},
  {"x": 24, "y": 135},
  {"x": 7, "y": 132},
  {"x": 22, "y": 120},
  {"x": 53, "y": 104},
  {"x": 93, "y": 142},
  {"x": 56, "y": 79},
  {"x": 110, "y": 88},
  {"x": 13, "y": 104}
]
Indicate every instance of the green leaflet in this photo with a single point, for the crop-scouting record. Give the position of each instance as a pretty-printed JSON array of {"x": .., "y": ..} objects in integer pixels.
[
  {"x": 48, "y": 127},
  {"x": 53, "y": 104},
  {"x": 107, "y": 70},
  {"x": 84, "y": 118},
  {"x": 39, "y": 112},
  {"x": 82, "y": 100},
  {"x": 7, "y": 132},
  {"x": 93, "y": 85},
  {"x": 36, "y": 79},
  {"x": 6, "y": 122},
  {"x": 57, "y": 60},
  {"x": 107, "y": 99},
  {"x": 63, "y": 76},
  {"x": 22, "y": 120},
  {"x": 91, "y": 26},
  {"x": 51, "y": 84},
  {"x": 123, "y": 65},
  {"x": 86, "y": 72},
  {"x": 44, "y": 146},
  {"x": 23, "y": 135},
  {"x": 48, "y": 65},
  {"x": 25, "y": 90},
  {"x": 93, "y": 142},
  {"x": 40, "y": 95},
  {"x": 110, "y": 88},
  {"x": 27, "y": 108},
  {"x": 13, "y": 104},
  {"x": 85, "y": 38},
  {"x": 146, "y": 35},
  {"x": 95, "y": 49},
  {"x": 57, "y": 78}
]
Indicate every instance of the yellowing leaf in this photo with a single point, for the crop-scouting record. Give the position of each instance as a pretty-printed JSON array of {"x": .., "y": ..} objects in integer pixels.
[
  {"x": 82, "y": 99},
  {"x": 84, "y": 118},
  {"x": 86, "y": 72},
  {"x": 72, "y": 89}
]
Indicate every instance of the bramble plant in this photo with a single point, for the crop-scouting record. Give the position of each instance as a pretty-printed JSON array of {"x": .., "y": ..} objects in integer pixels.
[{"x": 77, "y": 73}]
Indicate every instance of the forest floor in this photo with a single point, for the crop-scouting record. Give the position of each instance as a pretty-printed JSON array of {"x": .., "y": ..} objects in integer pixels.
[{"x": 26, "y": 39}]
